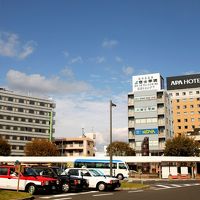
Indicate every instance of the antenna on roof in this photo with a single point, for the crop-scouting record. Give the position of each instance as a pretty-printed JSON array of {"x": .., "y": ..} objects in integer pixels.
[{"x": 83, "y": 133}]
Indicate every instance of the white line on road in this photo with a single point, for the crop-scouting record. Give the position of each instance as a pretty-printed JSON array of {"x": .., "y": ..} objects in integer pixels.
[
  {"x": 63, "y": 198},
  {"x": 134, "y": 191},
  {"x": 175, "y": 185},
  {"x": 163, "y": 186},
  {"x": 187, "y": 185},
  {"x": 105, "y": 194}
]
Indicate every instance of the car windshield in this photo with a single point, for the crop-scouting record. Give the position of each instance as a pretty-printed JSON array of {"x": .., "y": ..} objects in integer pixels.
[
  {"x": 45, "y": 172},
  {"x": 59, "y": 171},
  {"x": 29, "y": 172},
  {"x": 95, "y": 172}
]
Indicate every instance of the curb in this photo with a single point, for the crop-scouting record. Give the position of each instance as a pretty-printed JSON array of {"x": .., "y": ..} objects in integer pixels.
[{"x": 144, "y": 187}]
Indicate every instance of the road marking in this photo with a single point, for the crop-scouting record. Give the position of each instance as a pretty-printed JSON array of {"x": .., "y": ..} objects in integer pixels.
[
  {"x": 134, "y": 191},
  {"x": 105, "y": 194},
  {"x": 175, "y": 185},
  {"x": 163, "y": 186},
  {"x": 187, "y": 185},
  {"x": 66, "y": 195},
  {"x": 63, "y": 198}
]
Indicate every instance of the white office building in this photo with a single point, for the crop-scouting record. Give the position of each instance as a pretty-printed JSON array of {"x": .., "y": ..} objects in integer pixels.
[{"x": 149, "y": 114}]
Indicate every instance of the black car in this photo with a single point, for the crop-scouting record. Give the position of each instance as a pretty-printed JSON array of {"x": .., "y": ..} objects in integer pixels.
[{"x": 67, "y": 182}]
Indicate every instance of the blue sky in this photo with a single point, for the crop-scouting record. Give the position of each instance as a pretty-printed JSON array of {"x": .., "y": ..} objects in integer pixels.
[{"x": 84, "y": 53}]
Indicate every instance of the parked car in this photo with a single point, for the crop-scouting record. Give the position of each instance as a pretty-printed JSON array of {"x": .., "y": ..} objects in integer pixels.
[
  {"x": 29, "y": 180},
  {"x": 95, "y": 178},
  {"x": 67, "y": 183}
]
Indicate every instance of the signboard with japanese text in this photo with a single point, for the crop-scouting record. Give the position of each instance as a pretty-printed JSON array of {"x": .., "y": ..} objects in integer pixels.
[{"x": 147, "y": 82}]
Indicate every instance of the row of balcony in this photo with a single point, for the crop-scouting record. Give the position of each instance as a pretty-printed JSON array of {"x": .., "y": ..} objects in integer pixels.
[{"x": 131, "y": 112}]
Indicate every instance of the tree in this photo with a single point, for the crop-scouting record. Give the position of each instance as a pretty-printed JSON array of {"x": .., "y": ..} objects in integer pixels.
[
  {"x": 182, "y": 146},
  {"x": 120, "y": 149},
  {"x": 5, "y": 149},
  {"x": 41, "y": 148}
]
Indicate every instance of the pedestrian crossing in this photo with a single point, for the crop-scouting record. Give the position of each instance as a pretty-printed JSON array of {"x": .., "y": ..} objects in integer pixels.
[{"x": 171, "y": 186}]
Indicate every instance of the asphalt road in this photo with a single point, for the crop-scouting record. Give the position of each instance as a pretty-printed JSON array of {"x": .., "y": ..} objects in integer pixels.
[{"x": 167, "y": 191}]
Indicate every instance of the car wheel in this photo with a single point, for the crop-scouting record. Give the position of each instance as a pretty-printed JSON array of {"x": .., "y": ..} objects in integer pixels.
[
  {"x": 65, "y": 187},
  {"x": 31, "y": 189},
  {"x": 101, "y": 186},
  {"x": 120, "y": 176}
]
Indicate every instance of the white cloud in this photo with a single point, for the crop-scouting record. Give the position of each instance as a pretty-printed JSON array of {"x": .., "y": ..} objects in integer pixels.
[
  {"x": 27, "y": 49},
  {"x": 191, "y": 72},
  {"x": 118, "y": 59},
  {"x": 66, "y": 53},
  {"x": 41, "y": 85},
  {"x": 74, "y": 113},
  {"x": 76, "y": 60},
  {"x": 100, "y": 60},
  {"x": 67, "y": 72},
  {"x": 109, "y": 43},
  {"x": 128, "y": 70},
  {"x": 143, "y": 71},
  {"x": 11, "y": 46}
]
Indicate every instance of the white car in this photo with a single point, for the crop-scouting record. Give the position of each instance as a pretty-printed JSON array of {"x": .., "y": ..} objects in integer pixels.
[{"x": 95, "y": 178}]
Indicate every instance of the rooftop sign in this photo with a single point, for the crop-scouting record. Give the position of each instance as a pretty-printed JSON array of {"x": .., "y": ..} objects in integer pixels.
[
  {"x": 147, "y": 82},
  {"x": 183, "y": 82}
]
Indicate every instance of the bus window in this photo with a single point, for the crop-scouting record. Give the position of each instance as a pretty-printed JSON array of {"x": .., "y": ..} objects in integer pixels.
[{"x": 122, "y": 166}]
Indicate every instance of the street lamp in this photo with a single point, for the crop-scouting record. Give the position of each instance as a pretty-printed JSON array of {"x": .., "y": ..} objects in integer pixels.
[{"x": 111, "y": 105}]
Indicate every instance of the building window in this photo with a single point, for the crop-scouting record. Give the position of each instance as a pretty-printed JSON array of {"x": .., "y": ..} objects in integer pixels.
[
  {"x": 177, "y": 100},
  {"x": 184, "y": 106},
  {"x": 177, "y": 94},
  {"x": 21, "y": 148},
  {"x": 178, "y": 120},
  {"x": 185, "y": 120},
  {"x": 13, "y": 146},
  {"x": 186, "y": 127},
  {"x": 191, "y": 106},
  {"x": 184, "y": 93},
  {"x": 177, "y": 107},
  {"x": 197, "y": 92},
  {"x": 192, "y": 119},
  {"x": 179, "y": 127},
  {"x": 190, "y": 92}
]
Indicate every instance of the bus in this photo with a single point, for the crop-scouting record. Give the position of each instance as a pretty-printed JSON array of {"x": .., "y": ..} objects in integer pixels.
[{"x": 120, "y": 168}]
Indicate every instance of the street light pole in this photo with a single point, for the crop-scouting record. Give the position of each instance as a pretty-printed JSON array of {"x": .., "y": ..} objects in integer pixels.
[{"x": 111, "y": 105}]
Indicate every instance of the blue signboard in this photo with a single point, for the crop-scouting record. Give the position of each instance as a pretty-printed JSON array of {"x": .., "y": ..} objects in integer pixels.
[{"x": 146, "y": 131}]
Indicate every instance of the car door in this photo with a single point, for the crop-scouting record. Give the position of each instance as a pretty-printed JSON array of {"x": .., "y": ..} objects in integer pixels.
[{"x": 88, "y": 176}]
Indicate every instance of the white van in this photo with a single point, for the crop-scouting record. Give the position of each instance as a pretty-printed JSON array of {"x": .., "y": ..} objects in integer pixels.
[{"x": 95, "y": 178}]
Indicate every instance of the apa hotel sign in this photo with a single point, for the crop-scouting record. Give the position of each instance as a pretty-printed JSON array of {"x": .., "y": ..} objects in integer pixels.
[{"x": 183, "y": 82}]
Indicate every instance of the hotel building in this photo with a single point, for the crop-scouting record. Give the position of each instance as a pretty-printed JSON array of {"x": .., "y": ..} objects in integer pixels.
[
  {"x": 185, "y": 95},
  {"x": 149, "y": 114},
  {"x": 24, "y": 118}
]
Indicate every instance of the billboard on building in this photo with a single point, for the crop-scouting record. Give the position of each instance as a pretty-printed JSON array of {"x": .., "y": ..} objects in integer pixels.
[
  {"x": 146, "y": 131},
  {"x": 147, "y": 82},
  {"x": 183, "y": 82}
]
